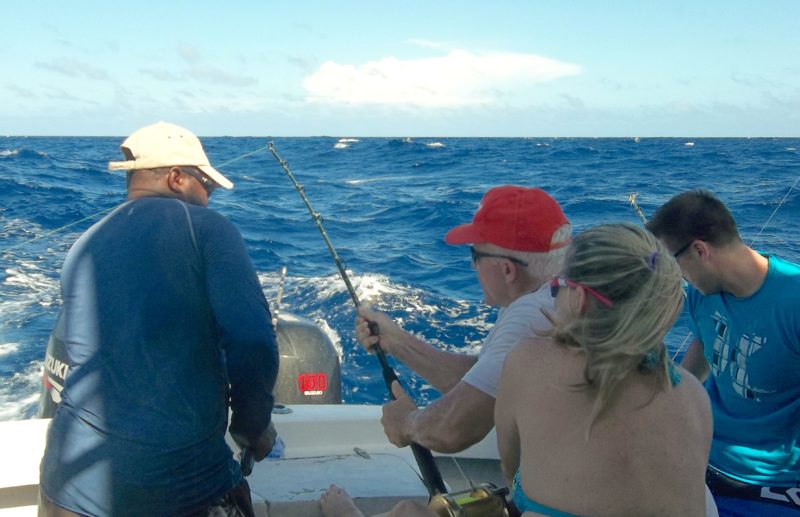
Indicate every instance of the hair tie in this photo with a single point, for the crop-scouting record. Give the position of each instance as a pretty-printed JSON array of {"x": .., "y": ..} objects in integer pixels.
[{"x": 651, "y": 260}]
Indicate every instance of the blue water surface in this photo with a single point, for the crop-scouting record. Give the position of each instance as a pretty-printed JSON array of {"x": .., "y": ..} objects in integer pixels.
[{"x": 386, "y": 204}]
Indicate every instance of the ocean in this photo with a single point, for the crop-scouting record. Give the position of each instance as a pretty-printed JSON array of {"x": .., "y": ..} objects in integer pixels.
[{"x": 386, "y": 204}]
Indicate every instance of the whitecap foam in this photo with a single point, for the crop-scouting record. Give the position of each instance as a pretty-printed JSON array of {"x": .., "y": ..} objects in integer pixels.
[
  {"x": 26, "y": 287},
  {"x": 9, "y": 152},
  {"x": 689, "y": 144},
  {"x": 341, "y": 145},
  {"x": 332, "y": 335},
  {"x": 367, "y": 287},
  {"x": 348, "y": 140},
  {"x": 363, "y": 181},
  {"x": 408, "y": 305},
  {"x": 435, "y": 144},
  {"x": 8, "y": 348},
  {"x": 19, "y": 394}
]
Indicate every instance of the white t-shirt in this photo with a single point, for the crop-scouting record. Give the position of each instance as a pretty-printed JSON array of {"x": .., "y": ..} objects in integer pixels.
[{"x": 515, "y": 323}]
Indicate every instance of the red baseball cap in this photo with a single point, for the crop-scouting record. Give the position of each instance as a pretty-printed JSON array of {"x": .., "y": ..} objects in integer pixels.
[{"x": 515, "y": 218}]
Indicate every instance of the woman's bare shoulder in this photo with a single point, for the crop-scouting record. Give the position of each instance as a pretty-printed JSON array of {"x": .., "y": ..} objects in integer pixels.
[
  {"x": 533, "y": 348},
  {"x": 539, "y": 353},
  {"x": 692, "y": 389}
]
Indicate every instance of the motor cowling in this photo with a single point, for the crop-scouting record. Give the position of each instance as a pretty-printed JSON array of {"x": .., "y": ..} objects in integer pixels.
[{"x": 309, "y": 372}]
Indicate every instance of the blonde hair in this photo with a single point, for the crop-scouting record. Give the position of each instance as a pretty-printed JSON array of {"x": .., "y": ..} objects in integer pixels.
[{"x": 628, "y": 265}]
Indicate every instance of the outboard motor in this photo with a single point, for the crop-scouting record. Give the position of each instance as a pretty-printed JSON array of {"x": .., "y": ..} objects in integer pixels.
[{"x": 309, "y": 372}]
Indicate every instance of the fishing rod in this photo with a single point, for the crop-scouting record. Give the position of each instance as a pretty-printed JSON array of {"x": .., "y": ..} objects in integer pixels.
[{"x": 430, "y": 474}]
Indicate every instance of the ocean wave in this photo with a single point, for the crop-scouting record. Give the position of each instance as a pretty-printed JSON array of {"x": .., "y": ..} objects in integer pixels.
[
  {"x": 365, "y": 181},
  {"x": 332, "y": 335},
  {"x": 19, "y": 394},
  {"x": 344, "y": 143},
  {"x": 8, "y": 348},
  {"x": 398, "y": 142},
  {"x": 27, "y": 290},
  {"x": 388, "y": 202},
  {"x": 23, "y": 154}
]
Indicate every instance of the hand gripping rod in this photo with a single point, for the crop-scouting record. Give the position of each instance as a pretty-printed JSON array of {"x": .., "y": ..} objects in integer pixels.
[{"x": 431, "y": 476}]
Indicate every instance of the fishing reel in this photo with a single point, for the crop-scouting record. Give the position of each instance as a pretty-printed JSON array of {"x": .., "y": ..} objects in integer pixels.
[{"x": 485, "y": 500}]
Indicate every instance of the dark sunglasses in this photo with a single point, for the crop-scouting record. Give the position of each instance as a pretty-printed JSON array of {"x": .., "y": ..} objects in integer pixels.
[
  {"x": 559, "y": 282},
  {"x": 477, "y": 255},
  {"x": 207, "y": 183},
  {"x": 682, "y": 250}
]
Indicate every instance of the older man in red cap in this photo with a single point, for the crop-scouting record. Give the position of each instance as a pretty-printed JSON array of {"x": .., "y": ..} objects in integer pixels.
[{"x": 518, "y": 236}]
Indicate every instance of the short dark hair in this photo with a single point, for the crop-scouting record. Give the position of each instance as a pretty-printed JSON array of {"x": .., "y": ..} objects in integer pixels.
[{"x": 694, "y": 215}]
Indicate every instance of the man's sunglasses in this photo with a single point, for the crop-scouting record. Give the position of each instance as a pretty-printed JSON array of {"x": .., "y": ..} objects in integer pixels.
[
  {"x": 477, "y": 255},
  {"x": 559, "y": 282},
  {"x": 207, "y": 183},
  {"x": 682, "y": 250}
]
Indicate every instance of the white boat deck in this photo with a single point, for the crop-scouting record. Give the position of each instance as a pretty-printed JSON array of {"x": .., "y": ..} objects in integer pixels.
[{"x": 324, "y": 444}]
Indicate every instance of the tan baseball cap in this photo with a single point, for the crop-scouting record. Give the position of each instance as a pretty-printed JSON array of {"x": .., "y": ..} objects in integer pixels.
[{"x": 165, "y": 145}]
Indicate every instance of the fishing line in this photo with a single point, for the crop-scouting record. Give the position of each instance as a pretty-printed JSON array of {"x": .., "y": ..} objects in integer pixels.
[
  {"x": 774, "y": 211},
  {"x": 430, "y": 475},
  {"x": 51, "y": 232},
  {"x": 101, "y": 212},
  {"x": 632, "y": 199}
]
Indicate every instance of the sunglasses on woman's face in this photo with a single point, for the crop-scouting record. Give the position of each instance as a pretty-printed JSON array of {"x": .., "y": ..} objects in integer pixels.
[{"x": 558, "y": 282}]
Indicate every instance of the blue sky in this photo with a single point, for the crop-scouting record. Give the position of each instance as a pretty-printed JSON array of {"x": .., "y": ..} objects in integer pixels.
[{"x": 413, "y": 68}]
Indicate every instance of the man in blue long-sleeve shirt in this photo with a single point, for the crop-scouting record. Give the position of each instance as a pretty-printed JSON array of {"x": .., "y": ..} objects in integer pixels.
[{"x": 165, "y": 326}]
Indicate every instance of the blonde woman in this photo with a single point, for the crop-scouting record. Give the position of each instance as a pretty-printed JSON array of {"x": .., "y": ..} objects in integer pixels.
[{"x": 593, "y": 418}]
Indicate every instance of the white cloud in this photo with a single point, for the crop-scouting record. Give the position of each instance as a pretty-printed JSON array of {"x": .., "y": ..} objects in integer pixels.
[
  {"x": 426, "y": 43},
  {"x": 459, "y": 78},
  {"x": 74, "y": 68}
]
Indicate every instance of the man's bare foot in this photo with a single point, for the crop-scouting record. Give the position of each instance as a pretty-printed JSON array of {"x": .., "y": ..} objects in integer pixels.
[{"x": 335, "y": 502}]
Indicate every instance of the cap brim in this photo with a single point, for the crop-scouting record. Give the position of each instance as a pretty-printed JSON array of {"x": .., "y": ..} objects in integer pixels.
[
  {"x": 121, "y": 166},
  {"x": 464, "y": 234},
  {"x": 217, "y": 176}
]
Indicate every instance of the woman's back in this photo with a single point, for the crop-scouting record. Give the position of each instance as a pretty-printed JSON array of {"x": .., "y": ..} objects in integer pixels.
[{"x": 646, "y": 453}]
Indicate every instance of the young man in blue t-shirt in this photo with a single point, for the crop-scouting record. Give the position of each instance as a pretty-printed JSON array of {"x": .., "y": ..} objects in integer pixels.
[{"x": 744, "y": 313}]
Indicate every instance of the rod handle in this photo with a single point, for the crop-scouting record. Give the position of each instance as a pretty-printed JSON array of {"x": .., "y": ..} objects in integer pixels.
[
  {"x": 431, "y": 477},
  {"x": 246, "y": 462}
]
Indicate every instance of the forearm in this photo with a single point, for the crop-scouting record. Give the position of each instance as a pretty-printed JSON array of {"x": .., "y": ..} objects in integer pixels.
[
  {"x": 243, "y": 325},
  {"x": 252, "y": 371},
  {"x": 442, "y": 369},
  {"x": 695, "y": 362},
  {"x": 454, "y": 422}
]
